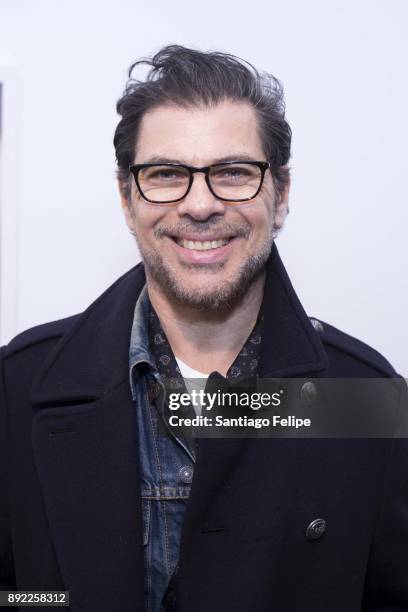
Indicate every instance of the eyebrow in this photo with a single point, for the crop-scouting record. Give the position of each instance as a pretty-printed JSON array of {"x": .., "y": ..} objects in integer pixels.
[{"x": 160, "y": 159}]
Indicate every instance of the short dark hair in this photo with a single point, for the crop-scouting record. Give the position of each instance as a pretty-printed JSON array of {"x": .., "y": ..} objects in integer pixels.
[{"x": 187, "y": 77}]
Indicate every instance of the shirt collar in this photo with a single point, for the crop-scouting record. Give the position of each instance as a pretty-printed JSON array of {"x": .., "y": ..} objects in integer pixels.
[
  {"x": 139, "y": 351},
  {"x": 245, "y": 364},
  {"x": 146, "y": 328}
]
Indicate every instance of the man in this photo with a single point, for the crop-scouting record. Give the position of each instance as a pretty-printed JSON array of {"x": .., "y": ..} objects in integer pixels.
[{"x": 94, "y": 498}]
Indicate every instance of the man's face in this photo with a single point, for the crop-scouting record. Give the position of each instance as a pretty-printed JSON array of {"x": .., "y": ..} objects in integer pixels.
[{"x": 167, "y": 235}]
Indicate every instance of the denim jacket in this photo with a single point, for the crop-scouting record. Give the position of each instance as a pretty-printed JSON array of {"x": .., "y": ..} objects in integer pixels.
[{"x": 166, "y": 465}]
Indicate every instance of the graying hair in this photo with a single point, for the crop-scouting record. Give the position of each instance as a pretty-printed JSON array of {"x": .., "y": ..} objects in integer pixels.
[{"x": 188, "y": 77}]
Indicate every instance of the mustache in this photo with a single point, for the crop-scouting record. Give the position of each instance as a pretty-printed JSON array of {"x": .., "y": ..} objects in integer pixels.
[{"x": 218, "y": 228}]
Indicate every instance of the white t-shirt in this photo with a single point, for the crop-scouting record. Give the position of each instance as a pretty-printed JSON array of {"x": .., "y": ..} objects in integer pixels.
[{"x": 193, "y": 380}]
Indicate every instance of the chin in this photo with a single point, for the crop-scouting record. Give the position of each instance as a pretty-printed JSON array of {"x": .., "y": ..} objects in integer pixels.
[
  {"x": 223, "y": 293},
  {"x": 211, "y": 290},
  {"x": 210, "y": 301}
]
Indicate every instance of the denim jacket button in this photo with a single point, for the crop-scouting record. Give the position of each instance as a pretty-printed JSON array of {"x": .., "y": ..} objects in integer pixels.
[{"x": 186, "y": 474}]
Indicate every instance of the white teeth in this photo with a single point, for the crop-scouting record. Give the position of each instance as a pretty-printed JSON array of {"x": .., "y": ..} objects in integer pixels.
[{"x": 198, "y": 245}]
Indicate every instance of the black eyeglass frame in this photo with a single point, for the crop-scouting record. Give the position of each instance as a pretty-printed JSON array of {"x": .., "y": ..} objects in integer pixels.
[{"x": 262, "y": 165}]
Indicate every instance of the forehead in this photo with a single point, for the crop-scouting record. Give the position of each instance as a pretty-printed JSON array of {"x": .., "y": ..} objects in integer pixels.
[{"x": 199, "y": 135}]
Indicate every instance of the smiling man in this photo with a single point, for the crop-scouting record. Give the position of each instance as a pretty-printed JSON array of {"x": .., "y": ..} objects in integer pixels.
[
  {"x": 209, "y": 232},
  {"x": 204, "y": 223},
  {"x": 98, "y": 495}
]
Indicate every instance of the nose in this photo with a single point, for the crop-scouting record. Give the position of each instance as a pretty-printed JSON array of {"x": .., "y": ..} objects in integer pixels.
[{"x": 200, "y": 203}]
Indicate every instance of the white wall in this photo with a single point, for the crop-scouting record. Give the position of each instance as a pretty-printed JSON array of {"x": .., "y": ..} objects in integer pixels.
[{"x": 343, "y": 65}]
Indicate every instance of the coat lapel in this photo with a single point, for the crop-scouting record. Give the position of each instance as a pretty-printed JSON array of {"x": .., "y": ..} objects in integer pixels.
[
  {"x": 84, "y": 440},
  {"x": 290, "y": 345}
]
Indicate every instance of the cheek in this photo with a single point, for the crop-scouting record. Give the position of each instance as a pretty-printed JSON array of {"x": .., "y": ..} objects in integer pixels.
[
  {"x": 260, "y": 221},
  {"x": 146, "y": 218}
]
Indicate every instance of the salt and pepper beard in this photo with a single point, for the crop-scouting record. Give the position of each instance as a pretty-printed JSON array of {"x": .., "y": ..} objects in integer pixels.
[{"x": 226, "y": 296}]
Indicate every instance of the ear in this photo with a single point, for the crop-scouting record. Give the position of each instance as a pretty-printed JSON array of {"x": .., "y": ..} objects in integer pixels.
[
  {"x": 282, "y": 207},
  {"x": 125, "y": 200}
]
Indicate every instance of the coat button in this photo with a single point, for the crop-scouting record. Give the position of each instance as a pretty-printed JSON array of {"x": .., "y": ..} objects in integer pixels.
[
  {"x": 186, "y": 474},
  {"x": 308, "y": 393},
  {"x": 317, "y": 325},
  {"x": 316, "y": 529}
]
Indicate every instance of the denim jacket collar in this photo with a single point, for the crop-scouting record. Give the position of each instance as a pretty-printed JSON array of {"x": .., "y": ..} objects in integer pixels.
[{"x": 139, "y": 351}]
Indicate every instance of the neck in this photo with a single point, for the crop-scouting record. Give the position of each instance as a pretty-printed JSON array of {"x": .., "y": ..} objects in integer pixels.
[{"x": 206, "y": 340}]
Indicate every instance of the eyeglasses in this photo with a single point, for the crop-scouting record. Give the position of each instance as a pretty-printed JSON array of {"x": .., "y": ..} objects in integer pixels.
[{"x": 231, "y": 181}]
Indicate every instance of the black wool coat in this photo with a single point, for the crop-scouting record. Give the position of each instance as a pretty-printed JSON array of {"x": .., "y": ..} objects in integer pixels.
[{"x": 70, "y": 508}]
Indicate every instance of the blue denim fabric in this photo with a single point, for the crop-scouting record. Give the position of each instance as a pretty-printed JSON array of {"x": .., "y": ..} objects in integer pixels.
[{"x": 166, "y": 465}]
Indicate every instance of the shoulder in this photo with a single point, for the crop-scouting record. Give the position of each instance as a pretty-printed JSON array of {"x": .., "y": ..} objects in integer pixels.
[
  {"x": 351, "y": 353},
  {"x": 21, "y": 358},
  {"x": 43, "y": 334}
]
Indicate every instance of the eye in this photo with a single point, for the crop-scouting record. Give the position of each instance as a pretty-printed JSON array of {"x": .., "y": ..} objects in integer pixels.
[
  {"x": 234, "y": 174},
  {"x": 165, "y": 174},
  {"x": 232, "y": 171}
]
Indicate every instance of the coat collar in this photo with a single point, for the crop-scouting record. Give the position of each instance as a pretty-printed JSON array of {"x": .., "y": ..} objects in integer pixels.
[
  {"x": 93, "y": 356},
  {"x": 290, "y": 345}
]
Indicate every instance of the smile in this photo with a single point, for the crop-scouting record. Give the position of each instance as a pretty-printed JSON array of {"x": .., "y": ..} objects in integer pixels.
[{"x": 202, "y": 245}]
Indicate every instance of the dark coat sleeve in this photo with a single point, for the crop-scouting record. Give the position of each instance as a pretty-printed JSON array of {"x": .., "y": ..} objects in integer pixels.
[{"x": 7, "y": 575}]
